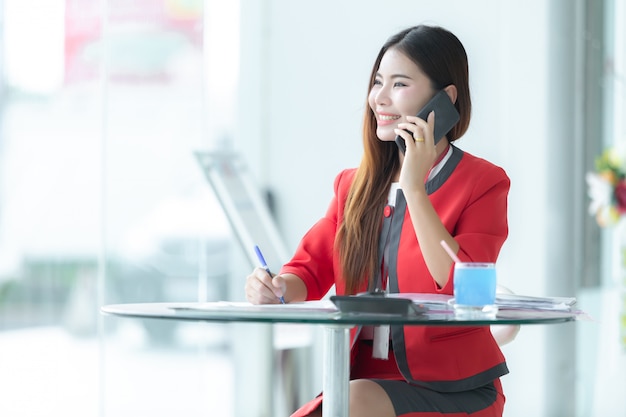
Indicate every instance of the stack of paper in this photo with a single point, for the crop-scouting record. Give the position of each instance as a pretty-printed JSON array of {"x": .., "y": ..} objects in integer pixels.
[
  {"x": 532, "y": 302},
  {"x": 429, "y": 301},
  {"x": 503, "y": 301}
]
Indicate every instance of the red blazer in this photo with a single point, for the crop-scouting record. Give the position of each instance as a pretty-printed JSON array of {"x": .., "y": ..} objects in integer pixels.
[{"x": 470, "y": 196}]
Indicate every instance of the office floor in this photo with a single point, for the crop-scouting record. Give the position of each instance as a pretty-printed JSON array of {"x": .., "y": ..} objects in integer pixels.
[{"x": 48, "y": 372}]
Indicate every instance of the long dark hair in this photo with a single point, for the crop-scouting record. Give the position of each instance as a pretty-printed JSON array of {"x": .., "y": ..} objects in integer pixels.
[{"x": 441, "y": 56}]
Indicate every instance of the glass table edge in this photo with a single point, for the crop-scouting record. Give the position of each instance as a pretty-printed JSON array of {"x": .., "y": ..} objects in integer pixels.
[{"x": 178, "y": 311}]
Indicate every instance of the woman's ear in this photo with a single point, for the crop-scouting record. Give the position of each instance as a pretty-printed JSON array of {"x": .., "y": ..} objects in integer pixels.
[{"x": 452, "y": 92}]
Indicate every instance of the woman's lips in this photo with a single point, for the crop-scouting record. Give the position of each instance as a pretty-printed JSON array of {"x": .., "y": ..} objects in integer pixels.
[{"x": 387, "y": 119}]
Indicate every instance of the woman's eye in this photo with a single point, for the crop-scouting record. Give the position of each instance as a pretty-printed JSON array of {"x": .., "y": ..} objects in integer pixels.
[
  {"x": 377, "y": 82},
  {"x": 399, "y": 84}
]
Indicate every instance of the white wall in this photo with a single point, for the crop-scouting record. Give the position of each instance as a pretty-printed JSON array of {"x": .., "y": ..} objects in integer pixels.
[{"x": 304, "y": 74}]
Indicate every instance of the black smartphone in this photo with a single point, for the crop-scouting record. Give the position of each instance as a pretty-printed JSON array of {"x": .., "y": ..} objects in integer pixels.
[{"x": 446, "y": 117}]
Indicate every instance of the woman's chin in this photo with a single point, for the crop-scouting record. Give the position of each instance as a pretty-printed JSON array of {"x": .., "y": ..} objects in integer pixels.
[{"x": 386, "y": 136}]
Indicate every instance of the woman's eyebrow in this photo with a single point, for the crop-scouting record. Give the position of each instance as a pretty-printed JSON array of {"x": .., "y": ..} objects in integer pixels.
[{"x": 394, "y": 76}]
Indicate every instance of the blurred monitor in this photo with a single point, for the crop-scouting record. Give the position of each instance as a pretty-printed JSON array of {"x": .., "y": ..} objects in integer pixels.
[{"x": 246, "y": 209}]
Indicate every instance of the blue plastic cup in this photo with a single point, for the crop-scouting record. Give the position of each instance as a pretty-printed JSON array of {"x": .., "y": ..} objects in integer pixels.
[{"x": 475, "y": 289}]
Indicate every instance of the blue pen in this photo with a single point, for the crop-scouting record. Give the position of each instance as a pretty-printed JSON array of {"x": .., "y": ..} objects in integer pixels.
[{"x": 264, "y": 266}]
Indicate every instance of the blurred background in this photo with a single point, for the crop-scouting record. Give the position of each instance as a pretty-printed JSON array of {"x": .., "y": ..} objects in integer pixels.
[{"x": 104, "y": 102}]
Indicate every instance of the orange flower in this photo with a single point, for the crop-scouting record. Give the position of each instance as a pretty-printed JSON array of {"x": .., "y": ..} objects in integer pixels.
[{"x": 609, "y": 176}]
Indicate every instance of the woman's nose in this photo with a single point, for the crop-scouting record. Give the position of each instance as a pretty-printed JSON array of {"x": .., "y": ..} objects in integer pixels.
[{"x": 382, "y": 96}]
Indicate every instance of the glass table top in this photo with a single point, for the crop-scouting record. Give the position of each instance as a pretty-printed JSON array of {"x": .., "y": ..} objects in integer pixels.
[{"x": 324, "y": 313}]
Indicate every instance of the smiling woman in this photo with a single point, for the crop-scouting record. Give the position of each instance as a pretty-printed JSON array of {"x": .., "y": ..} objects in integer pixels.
[
  {"x": 527, "y": 95},
  {"x": 382, "y": 232}
]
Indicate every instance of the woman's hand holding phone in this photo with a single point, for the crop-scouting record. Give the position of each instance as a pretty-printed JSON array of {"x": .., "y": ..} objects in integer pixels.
[
  {"x": 420, "y": 155},
  {"x": 432, "y": 123},
  {"x": 447, "y": 117}
]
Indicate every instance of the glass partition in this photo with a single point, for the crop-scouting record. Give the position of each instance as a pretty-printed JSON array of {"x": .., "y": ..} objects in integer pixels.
[
  {"x": 102, "y": 106},
  {"x": 50, "y": 163},
  {"x": 165, "y": 235}
]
